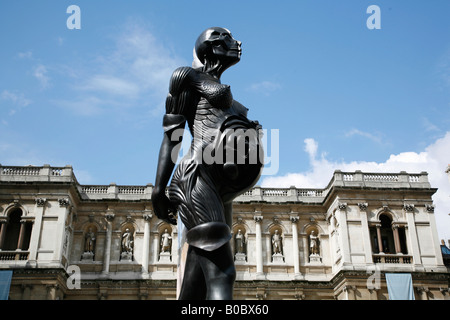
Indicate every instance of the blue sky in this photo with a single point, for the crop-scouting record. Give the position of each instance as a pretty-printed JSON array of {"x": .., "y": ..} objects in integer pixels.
[{"x": 342, "y": 96}]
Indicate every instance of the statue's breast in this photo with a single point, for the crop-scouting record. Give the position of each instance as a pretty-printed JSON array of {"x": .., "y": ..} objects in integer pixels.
[{"x": 217, "y": 94}]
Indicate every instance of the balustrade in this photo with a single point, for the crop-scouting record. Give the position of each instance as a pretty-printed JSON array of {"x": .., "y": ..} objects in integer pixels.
[
  {"x": 310, "y": 193},
  {"x": 13, "y": 255},
  {"x": 131, "y": 189},
  {"x": 94, "y": 189},
  {"x": 392, "y": 258},
  {"x": 381, "y": 177},
  {"x": 275, "y": 192},
  {"x": 23, "y": 171}
]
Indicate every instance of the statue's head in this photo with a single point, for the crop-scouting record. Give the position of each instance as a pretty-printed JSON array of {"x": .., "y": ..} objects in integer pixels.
[{"x": 216, "y": 47}]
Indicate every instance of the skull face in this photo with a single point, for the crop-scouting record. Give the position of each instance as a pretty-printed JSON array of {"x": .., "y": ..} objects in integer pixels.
[{"x": 218, "y": 44}]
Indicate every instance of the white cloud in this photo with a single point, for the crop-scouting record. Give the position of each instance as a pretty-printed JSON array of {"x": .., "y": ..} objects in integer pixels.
[
  {"x": 443, "y": 69},
  {"x": 311, "y": 147},
  {"x": 429, "y": 126},
  {"x": 111, "y": 85},
  {"x": 25, "y": 55},
  {"x": 17, "y": 100},
  {"x": 265, "y": 87},
  {"x": 85, "y": 106},
  {"x": 136, "y": 72},
  {"x": 370, "y": 136},
  {"x": 40, "y": 73},
  {"x": 434, "y": 160}
]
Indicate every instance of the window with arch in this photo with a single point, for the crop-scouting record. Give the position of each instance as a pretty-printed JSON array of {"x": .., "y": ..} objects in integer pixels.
[
  {"x": 15, "y": 233},
  {"x": 388, "y": 237}
]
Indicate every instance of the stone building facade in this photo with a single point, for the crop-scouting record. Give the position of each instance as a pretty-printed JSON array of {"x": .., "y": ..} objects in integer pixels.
[{"x": 69, "y": 241}]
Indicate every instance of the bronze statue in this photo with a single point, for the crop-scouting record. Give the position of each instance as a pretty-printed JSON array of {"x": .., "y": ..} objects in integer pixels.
[{"x": 225, "y": 159}]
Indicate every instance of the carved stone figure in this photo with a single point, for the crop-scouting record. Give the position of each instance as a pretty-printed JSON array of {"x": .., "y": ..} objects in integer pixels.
[
  {"x": 239, "y": 242},
  {"x": 89, "y": 241},
  {"x": 166, "y": 241},
  {"x": 224, "y": 161},
  {"x": 127, "y": 241},
  {"x": 276, "y": 243},
  {"x": 314, "y": 244}
]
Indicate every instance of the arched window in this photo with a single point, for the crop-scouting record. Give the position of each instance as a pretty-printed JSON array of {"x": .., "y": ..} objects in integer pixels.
[
  {"x": 388, "y": 237},
  {"x": 16, "y": 233}
]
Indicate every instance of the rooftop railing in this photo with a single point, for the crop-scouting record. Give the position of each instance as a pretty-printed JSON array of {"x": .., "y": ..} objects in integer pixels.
[{"x": 47, "y": 173}]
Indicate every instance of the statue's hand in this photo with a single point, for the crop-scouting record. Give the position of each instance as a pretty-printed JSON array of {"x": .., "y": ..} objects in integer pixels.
[{"x": 163, "y": 208}]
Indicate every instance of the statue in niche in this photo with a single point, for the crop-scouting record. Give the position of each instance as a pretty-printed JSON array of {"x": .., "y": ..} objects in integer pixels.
[
  {"x": 239, "y": 242},
  {"x": 166, "y": 241},
  {"x": 89, "y": 241},
  {"x": 127, "y": 245},
  {"x": 224, "y": 161},
  {"x": 276, "y": 243},
  {"x": 89, "y": 245},
  {"x": 239, "y": 247},
  {"x": 313, "y": 244},
  {"x": 165, "y": 247}
]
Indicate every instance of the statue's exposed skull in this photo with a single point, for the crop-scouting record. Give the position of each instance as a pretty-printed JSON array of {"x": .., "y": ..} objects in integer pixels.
[{"x": 218, "y": 44}]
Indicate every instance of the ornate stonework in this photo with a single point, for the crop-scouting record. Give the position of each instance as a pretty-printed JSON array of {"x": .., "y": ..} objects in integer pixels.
[{"x": 297, "y": 244}]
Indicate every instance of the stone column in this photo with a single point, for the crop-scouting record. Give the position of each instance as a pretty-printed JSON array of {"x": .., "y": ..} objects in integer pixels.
[
  {"x": 373, "y": 293},
  {"x": 36, "y": 233},
  {"x": 155, "y": 250},
  {"x": 349, "y": 292},
  {"x": 344, "y": 233},
  {"x": 398, "y": 248},
  {"x": 3, "y": 226},
  {"x": 380, "y": 242},
  {"x": 52, "y": 291},
  {"x": 365, "y": 232},
  {"x": 107, "y": 254},
  {"x": 294, "y": 220},
  {"x": 61, "y": 228},
  {"x": 430, "y": 210},
  {"x": 26, "y": 291},
  {"x": 145, "y": 253},
  {"x": 415, "y": 250},
  {"x": 259, "y": 255},
  {"x": 21, "y": 234},
  {"x": 423, "y": 292}
]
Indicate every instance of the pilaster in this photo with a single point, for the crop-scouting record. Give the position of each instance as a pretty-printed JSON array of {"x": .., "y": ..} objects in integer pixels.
[
  {"x": 145, "y": 252},
  {"x": 342, "y": 209},
  {"x": 109, "y": 216},
  {"x": 414, "y": 242},
  {"x": 259, "y": 255},
  {"x": 294, "y": 220}
]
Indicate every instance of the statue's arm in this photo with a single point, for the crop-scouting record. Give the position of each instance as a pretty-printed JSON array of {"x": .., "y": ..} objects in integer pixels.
[{"x": 177, "y": 104}]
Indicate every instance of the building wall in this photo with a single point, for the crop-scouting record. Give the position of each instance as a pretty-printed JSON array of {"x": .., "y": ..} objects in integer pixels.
[{"x": 342, "y": 215}]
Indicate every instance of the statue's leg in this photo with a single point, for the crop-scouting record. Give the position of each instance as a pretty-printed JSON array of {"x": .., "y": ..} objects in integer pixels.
[
  {"x": 220, "y": 272},
  {"x": 194, "y": 286}
]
